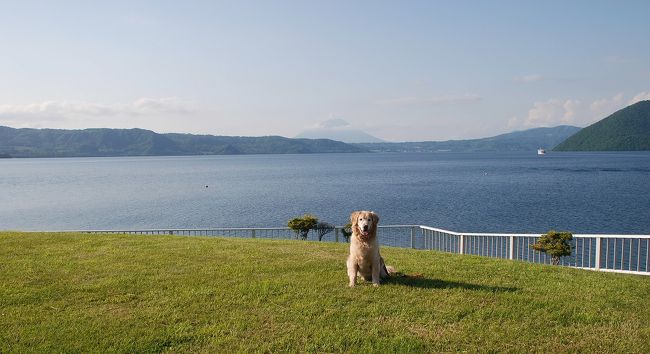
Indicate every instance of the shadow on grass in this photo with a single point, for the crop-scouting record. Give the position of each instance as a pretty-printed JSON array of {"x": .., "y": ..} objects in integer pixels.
[{"x": 426, "y": 283}]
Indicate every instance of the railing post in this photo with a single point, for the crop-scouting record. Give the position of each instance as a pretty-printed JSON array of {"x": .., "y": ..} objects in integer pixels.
[
  {"x": 462, "y": 244},
  {"x": 253, "y": 233},
  {"x": 511, "y": 249},
  {"x": 412, "y": 237},
  {"x": 598, "y": 247}
]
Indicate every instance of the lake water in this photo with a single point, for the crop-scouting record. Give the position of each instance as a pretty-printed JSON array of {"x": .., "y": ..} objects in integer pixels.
[{"x": 479, "y": 192}]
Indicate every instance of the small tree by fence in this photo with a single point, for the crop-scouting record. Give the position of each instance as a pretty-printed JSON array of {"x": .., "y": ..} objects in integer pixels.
[
  {"x": 555, "y": 244},
  {"x": 347, "y": 231},
  {"x": 322, "y": 229},
  {"x": 302, "y": 225}
]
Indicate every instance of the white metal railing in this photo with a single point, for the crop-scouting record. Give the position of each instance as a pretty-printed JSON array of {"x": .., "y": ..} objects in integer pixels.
[
  {"x": 391, "y": 235},
  {"x": 610, "y": 253}
]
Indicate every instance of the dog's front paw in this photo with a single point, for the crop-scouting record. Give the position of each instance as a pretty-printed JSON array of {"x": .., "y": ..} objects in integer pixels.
[
  {"x": 375, "y": 284},
  {"x": 351, "y": 285}
]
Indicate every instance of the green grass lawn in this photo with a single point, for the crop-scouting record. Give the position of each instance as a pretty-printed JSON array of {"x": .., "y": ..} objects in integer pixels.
[{"x": 115, "y": 293}]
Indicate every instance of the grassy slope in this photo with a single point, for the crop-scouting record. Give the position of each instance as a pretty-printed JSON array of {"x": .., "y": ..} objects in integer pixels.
[{"x": 71, "y": 292}]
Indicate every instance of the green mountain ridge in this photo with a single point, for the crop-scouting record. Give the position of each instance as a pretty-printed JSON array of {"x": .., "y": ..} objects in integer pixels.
[
  {"x": 625, "y": 130},
  {"x": 139, "y": 142},
  {"x": 99, "y": 142}
]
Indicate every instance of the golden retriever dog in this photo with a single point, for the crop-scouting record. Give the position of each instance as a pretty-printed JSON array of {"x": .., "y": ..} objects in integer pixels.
[{"x": 364, "y": 259}]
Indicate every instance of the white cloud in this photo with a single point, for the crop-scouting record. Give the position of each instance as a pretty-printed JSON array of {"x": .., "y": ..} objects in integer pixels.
[
  {"x": 172, "y": 105},
  {"x": 529, "y": 78},
  {"x": 555, "y": 112},
  {"x": 552, "y": 112},
  {"x": 333, "y": 123},
  {"x": 607, "y": 106},
  {"x": 40, "y": 113},
  {"x": 446, "y": 99},
  {"x": 55, "y": 109},
  {"x": 641, "y": 96},
  {"x": 572, "y": 111}
]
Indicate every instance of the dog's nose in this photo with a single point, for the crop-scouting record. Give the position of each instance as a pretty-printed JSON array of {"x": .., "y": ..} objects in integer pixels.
[{"x": 365, "y": 227}]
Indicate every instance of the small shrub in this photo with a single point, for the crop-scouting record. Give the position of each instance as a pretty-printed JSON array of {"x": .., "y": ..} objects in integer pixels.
[
  {"x": 302, "y": 225},
  {"x": 322, "y": 229},
  {"x": 555, "y": 244},
  {"x": 347, "y": 231}
]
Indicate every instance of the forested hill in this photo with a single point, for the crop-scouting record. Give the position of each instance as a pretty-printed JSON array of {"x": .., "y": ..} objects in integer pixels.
[
  {"x": 140, "y": 142},
  {"x": 625, "y": 130},
  {"x": 526, "y": 140}
]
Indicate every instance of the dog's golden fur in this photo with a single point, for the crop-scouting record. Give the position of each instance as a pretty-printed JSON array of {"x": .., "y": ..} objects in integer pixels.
[{"x": 364, "y": 259}]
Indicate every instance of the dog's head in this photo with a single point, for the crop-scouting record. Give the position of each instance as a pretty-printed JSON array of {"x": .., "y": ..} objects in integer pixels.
[{"x": 364, "y": 224}]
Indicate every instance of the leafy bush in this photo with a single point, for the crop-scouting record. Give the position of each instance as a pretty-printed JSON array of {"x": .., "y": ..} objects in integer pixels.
[
  {"x": 347, "y": 231},
  {"x": 323, "y": 228},
  {"x": 555, "y": 244},
  {"x": 302, "y": 225}
]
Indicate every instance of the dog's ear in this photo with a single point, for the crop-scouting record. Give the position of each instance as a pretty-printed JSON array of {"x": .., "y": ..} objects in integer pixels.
[
  {"x": 353, "y": 217},
  {"x": 375, "y": 217}
]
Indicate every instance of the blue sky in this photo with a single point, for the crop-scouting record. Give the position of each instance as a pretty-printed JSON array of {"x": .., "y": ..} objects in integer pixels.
[{"x": 400, "y": 70}]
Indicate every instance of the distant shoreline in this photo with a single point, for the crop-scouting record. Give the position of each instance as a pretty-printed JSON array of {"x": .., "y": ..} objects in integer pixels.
[
  {"x": 176, "y": 155},
  {"x": 103, "y": 142},
  {"x": 439, "y": 152}
]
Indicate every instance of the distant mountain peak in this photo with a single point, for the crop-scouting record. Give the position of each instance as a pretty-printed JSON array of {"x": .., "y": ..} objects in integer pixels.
[{"x": 339, "y": 134}]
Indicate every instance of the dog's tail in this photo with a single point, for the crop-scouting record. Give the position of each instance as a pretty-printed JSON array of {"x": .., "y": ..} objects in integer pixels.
[{"x": 390, "y": 270}]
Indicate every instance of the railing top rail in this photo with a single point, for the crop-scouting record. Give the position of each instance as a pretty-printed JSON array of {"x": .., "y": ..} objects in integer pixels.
[
  {"x": 498, "y": 234},
  {"x": 440, "y": 230},
  {"x": 395, "y": 226},
  {"x": 610, "y": 236},
  {"x": 538, "y": 235},
  {"x": 528, "y": 235}
]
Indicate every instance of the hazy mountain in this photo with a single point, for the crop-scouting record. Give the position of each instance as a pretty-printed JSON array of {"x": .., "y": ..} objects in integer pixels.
[
  {"x": 140, "y": 142},
  {"x": 526, "y": 140},
  {"x": 344, "y": 135},
  {"x": 625, "y": 130}
]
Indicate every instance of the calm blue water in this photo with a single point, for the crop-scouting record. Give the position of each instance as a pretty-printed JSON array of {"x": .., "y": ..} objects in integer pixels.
[{"x": 480, "y": 192}]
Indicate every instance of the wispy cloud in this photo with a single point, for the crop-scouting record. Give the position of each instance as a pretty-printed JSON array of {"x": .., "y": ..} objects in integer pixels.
[
  {"x": 56, "y": 111},
  {"x": 526, "y": 79},
  {"x": 144, "y": 105},
  {"x": 446, "y": 99}
]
